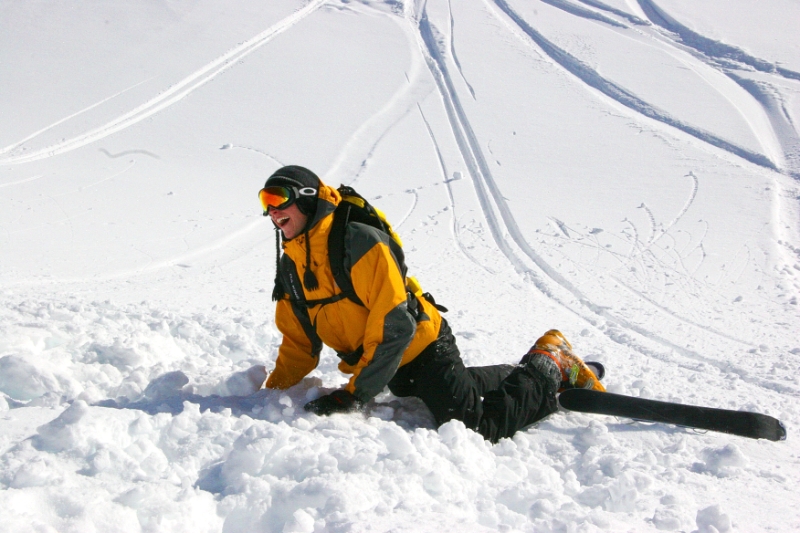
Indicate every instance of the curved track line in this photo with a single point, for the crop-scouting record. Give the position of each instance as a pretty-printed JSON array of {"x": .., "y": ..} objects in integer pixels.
[
  {"x": 111, "y": 177},
  {"x": 668, "y": 312},
  {"x": 443, "y": 166},
  {"x": 20, "y": 182},
  {"x": 621, "y": 95},
  {"x": 635, "y": 245},
  {"x": 129, "y": 152},
  {"x": 786, "y": 132},
  {"x": 579, "y": 11},
  {"x": 689, "y": 201},
  {"x": 174, "y": 94},
  {"x": 179, "y": 260},
  {"x": 355, "y": 176},
  {"x": 252, "y": 149},
  {"x": 656, "y": 236},
  {"x": 710, "y": 47},
  {"x": 652, "y": 219},
  {"x": 467, "y": 145},
  {"x": 453, "y": 50},
  {"x": 410, "y": 209},
  {"x": 752, "y": 110},
  {"x": 350, "y": 161},
  {"x": 618, "y": 12},
  {"x": 54, "y": 124}
]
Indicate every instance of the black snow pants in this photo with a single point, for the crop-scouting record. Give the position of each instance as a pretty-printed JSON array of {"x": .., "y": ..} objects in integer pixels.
[{"x": 496, "y": 401}]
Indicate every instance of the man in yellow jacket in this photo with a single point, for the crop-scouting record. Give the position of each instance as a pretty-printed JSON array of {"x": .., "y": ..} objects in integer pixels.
[{"x": 393, "y": 337}]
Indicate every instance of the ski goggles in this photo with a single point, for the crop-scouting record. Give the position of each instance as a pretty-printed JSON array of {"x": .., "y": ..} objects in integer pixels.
[{"x": 282, "y": 197}]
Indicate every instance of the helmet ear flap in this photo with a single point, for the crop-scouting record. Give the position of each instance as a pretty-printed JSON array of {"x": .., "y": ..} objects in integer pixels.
[{"x": 307, "y": 205}]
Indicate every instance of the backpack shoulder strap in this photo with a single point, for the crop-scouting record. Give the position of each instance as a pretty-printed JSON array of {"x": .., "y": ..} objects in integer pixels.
[{"x": 341, "y": 217}]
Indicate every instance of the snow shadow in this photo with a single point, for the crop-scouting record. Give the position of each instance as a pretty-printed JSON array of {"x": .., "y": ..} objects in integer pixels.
[
  {"x": 169, "y": 392},
  {"x": 166, "y": 394}
]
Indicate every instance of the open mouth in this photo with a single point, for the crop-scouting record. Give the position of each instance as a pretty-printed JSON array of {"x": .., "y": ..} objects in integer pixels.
[{"x": 281, "y": 221}]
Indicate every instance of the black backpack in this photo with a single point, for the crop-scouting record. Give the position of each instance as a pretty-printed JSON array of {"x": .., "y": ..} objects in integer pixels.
[{"x": 356, "y": 208}]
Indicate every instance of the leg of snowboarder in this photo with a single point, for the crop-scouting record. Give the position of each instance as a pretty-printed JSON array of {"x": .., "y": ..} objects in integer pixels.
[{"x": 496, "y": 401}]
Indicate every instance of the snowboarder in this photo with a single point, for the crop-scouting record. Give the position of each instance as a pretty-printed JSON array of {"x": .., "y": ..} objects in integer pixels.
[{"x": 391, "y": 335}]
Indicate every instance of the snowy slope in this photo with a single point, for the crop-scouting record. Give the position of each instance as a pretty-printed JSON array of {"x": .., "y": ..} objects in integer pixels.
[{"x": 626, "y": 171}]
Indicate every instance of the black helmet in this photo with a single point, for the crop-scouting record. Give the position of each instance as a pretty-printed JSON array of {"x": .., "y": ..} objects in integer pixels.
[{"x": 298, "y": 177}]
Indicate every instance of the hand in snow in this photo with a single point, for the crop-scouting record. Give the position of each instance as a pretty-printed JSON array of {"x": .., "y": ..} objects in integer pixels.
[{"x": 339, "y": 401}]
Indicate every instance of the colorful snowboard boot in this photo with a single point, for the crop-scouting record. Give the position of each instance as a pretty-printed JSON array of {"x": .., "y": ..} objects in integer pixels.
[{"x": 574, "y": 373}]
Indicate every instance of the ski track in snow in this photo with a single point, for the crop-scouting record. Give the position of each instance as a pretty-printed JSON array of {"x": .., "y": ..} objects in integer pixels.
[
  {"x": 583, "y": 12},
  {"x": 35, "y": 134},
  {"x": 20, "y": 182},
  {"x": 414, "y": 203},
  {"x": 489, "y": 195},
  {"x": 454, "y": 228},
  {"x": 181, "y": 260},
  {"x": 453, "y": 50},
  {"x": 466, "y": 142},
  {"x": 353, "y": 159},
  {"x": 169, "y": 97},
  {"x": 231, "y": 146},
  {"x": 652, "y": 220},
  {"x": 653, "y": 239},
  {"x": 129, "y": 152},
  {"x": 710, "y": 47},
  {"x": 355, "y": 148},
  {"x": 627, "y": 16},
  {"x": 593, "y": 79},
  {"x": 707, "y": 329},
  {"x": 786, "y": 133}
]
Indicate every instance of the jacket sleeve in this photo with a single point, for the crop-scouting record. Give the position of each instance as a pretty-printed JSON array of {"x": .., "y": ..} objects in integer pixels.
[
  {"x": 378, "y": 282},
  {"x": 299, "y": 351}
]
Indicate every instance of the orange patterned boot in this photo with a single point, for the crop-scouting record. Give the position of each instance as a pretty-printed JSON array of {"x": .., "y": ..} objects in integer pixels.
[{"x": 574, "y": 372}]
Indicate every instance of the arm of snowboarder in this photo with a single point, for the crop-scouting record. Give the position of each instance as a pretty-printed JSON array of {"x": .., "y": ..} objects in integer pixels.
[
  {"x": 390, "y": 327},
  {"x": 299, "y": 352}
]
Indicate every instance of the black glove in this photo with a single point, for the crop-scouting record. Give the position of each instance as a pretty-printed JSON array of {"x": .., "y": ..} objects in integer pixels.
[{"x": 339, "y": 401}]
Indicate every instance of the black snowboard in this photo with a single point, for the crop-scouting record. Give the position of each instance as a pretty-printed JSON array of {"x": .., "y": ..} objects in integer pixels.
[{"x": 742, "y": 423}]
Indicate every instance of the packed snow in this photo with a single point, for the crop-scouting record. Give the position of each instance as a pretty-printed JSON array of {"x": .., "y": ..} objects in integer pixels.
[{"x": 624, "y": 171}]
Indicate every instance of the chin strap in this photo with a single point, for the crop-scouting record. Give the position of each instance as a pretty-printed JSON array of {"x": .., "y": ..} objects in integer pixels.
[
  {"x": 278, "y": 291},
  {"x": 310, "y": 281}
]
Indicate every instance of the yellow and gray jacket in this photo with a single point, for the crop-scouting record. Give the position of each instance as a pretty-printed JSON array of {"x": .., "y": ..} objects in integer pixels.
[{"x": 372, "y": 340}]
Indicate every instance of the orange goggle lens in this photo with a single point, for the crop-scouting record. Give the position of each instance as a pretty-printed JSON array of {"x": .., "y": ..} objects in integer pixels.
[{"x": 275, "y": 197}]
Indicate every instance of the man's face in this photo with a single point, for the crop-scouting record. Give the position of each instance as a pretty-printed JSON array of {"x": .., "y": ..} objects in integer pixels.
[{"x": 290, "y": 220}]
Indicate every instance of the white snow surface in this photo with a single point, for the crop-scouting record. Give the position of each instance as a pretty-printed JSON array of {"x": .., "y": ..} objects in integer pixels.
[{"x": 624, "y": 171}]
